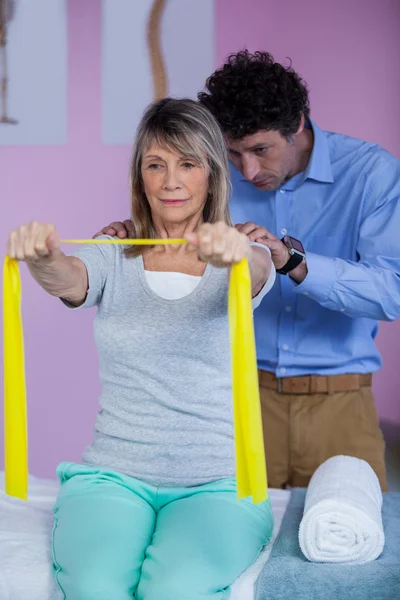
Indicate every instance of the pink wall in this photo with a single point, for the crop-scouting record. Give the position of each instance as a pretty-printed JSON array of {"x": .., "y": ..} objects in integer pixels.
[{"x": 347, "y": 55}]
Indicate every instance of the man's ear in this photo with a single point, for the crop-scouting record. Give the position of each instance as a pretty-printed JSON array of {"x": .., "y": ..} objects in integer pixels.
[{"x": 301, "y": 126}]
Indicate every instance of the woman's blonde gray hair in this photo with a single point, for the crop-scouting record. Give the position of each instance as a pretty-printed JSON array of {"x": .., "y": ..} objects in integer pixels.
[{"x": 186, "y": 127}]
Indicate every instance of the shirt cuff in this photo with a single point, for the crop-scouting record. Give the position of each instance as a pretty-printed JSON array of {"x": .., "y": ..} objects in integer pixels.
[
  {"x": 320, "y": 279},
  {"x": 256, "y": 301}
]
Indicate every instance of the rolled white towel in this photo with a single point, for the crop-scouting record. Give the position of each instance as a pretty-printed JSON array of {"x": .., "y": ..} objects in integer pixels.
[{"x": 342, "y": 520}]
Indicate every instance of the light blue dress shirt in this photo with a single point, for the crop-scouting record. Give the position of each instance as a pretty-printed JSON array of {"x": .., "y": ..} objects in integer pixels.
[{"x": 345, "y": 209}]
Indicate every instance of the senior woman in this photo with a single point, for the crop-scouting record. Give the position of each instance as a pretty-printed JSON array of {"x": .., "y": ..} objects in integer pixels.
[{"x": 152, "y": 511}]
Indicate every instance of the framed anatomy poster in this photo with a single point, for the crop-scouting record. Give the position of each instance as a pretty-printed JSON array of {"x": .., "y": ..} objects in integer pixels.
[{"x": 33, "y": 72}]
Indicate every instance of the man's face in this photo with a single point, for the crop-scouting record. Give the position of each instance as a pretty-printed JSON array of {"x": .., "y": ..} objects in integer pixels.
[{"x": 265, "y": 158}]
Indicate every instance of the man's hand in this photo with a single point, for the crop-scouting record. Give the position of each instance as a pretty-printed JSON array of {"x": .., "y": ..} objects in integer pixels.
[
  {"x": 120, "y": 229},
  {"x": 279, "y": 252}
]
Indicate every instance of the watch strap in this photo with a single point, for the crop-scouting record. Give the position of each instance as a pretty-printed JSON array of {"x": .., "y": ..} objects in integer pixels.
[{"x": 291, "y": 264}]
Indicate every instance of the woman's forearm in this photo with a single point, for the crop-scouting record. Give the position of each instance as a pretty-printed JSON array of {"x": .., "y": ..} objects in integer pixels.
[
  {"x": 63, "y": 276},
  {"x": 38, "y": 245}
]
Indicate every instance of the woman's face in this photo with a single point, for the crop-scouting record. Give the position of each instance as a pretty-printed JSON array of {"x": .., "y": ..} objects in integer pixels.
[{"x": 176, "y": 186}]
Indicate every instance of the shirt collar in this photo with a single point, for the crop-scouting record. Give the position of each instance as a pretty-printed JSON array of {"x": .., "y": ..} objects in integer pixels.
[{"x": 319, "y": 166}]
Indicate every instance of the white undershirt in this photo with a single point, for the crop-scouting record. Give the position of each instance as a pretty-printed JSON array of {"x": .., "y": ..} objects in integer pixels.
[{"x": 173, "y": 285}]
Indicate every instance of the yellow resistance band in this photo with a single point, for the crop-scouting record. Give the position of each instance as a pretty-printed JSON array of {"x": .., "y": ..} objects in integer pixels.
[{"x": 250, "y": 459}]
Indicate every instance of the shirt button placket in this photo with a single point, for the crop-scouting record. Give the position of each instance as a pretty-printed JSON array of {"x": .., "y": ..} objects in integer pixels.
[{"x": 282, "y": 199}]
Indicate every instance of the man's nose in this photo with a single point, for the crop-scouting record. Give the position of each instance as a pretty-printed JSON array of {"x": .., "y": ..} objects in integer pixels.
[{"x": 250, "y": 167}]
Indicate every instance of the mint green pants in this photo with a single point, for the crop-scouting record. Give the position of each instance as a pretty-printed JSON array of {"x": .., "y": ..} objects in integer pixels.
[{"x": 117, "y": 538}]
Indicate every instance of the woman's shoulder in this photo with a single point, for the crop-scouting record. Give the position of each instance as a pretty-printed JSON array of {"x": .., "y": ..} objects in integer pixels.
[
  {"x": 104, "y": 251},
  {"x": 111, "y": 247}
]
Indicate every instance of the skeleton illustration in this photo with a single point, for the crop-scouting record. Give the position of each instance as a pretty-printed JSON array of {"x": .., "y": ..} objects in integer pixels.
[
  {"x": 160, "y": 83},
  {"x": 7, "y": 11}
]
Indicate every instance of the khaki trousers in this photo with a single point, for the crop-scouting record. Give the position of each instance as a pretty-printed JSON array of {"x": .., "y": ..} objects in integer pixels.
[{"x": 302, "y": 431}]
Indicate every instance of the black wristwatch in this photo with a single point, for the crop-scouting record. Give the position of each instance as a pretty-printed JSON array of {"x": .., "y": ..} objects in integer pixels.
[{"x": 297, "y": 254}]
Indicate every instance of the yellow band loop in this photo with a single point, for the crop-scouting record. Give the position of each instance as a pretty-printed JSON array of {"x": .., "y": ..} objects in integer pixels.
[
  {"x": 15, "y": 421},
  {"x": 249, "y": 443}
]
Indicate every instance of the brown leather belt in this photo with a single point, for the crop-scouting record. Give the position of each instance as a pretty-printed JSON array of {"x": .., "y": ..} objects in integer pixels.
[{"x": 314, "y": 384}]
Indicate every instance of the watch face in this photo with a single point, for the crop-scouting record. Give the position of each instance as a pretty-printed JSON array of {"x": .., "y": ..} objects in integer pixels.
[
  {"x": 297, "y": 254},
  {"x": 296, "y": 244}
]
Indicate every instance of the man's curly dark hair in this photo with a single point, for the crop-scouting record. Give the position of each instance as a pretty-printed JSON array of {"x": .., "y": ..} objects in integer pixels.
[{"x": 252, "y": 92}]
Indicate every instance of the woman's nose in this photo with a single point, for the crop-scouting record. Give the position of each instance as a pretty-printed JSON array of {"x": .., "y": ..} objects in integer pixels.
[{"x": 171, "y": 180}]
